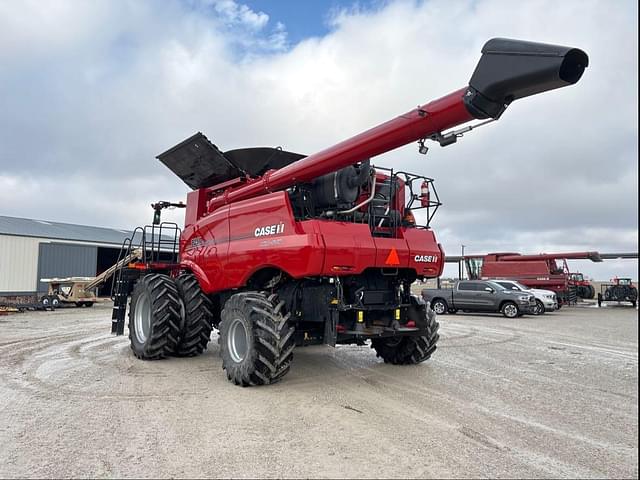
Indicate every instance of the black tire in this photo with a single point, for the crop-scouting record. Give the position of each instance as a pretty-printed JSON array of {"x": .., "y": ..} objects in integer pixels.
[
  {"x": 592, "y": 292},
  {"x": 198, "y": 317},
  {"x": 54, "y": 301},
  {"x": 634, "y": 303},
  {"x": 45, "y": 301},
  {"x": 88, "y": 304},
  {"x": 539, "y": 310},
  {"x": 156, "y": 300},
  {"x": 260, "y": 319},
  {"x": 510, "y": 310},
  {"x": 410, "y": 350},
  {"x": 440, "y": 306}
]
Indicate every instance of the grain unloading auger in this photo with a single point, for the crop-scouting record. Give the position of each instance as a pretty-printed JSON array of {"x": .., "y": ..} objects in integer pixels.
[{"x": 281, "y": 249}]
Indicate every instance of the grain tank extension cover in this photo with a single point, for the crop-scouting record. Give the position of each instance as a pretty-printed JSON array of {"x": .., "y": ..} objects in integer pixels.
[{"x": 199, "y": 163}]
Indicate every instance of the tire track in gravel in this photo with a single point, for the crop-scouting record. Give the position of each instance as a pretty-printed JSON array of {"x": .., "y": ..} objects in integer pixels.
[{"x": 76, "y": 364}]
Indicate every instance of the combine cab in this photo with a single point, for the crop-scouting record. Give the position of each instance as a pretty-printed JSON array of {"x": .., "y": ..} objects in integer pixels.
[{"x": 281, "y": 249}]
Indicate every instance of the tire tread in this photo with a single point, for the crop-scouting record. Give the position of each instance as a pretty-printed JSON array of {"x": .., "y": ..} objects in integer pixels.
[
  {"x": 198, "y": 317},
  {"x": 273, "y": 334}
]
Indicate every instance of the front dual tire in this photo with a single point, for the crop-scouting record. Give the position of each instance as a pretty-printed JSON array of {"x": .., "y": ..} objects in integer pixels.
[
  {"x": 169, "y": 317},
  {"x": 155, "y": 317}
]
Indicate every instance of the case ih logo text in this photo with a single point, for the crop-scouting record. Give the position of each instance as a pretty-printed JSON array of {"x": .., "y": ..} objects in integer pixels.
[
  {"x": 269, "y": 230},
  {"x": 426, "y": 258}
]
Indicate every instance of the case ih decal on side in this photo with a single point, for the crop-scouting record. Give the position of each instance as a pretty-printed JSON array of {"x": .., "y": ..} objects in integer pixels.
[
  {"x": 269, "y": 230},
  {"x": 425, "y": 258},
  {"x": 342, "y": 274}
]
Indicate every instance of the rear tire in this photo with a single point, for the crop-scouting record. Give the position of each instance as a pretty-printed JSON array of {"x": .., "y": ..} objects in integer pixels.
[
  {"x": 510, "y": 310},
  {"x": 410, "y": 350},
  {"x": 256, "y": 339},
  {"x": 440, "y": 306},
  {"x": 154, "y": 317},
  {"x": 198, "y": 317}
]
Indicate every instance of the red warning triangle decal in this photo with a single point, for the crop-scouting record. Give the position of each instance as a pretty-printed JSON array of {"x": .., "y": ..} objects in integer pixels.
[{"x": 392, "y": 259}]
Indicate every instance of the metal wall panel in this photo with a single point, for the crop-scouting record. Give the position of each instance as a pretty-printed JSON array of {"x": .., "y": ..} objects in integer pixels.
[
  {"x": 18, "y": 264},
  {"x": 65, "y": 260}
]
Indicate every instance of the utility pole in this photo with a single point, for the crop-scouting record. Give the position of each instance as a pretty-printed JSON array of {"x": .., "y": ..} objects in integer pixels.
[{"x": 460, "y": 265}]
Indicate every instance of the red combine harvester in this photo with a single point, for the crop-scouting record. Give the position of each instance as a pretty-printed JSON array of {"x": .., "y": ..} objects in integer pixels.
[
  {"x": 535, "y": 271},
  {"x": 281, "y": 249}
]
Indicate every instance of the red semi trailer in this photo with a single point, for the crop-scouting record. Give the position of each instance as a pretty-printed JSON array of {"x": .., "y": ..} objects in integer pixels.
[
  {"x": 281, "y": 249},
  {"x": 547, "y": 271}
]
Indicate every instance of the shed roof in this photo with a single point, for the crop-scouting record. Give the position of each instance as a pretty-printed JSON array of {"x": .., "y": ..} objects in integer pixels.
[{"x": 26, "y": 227}]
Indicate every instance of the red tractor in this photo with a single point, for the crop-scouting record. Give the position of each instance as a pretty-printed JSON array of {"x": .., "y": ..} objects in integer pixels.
[
  {"x": 281, "y": 249},
  {"x": 619, "y": 290},
  {"x": 583, "y": 287}
]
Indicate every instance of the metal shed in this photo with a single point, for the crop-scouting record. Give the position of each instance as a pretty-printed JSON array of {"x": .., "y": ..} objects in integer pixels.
[{"x": 34, "y": 249}]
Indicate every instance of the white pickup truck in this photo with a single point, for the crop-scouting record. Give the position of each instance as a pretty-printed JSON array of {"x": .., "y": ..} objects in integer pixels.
[{"x": 546, "y": 300}]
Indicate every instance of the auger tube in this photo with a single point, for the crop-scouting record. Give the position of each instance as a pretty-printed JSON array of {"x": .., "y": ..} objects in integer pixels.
[{"x": 507, "y": 70}]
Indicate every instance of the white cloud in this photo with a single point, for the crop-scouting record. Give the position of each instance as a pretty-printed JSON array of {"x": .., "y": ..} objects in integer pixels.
[
  {"x": 234, "y": 13},
  {"x": 92, "y": 91}
]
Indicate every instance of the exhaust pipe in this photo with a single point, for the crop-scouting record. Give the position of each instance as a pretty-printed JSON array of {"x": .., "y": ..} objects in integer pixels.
[{"x": 512, "y": 69}]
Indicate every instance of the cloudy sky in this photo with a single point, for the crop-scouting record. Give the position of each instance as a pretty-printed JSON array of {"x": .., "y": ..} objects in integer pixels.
[{"x": 91, "y": 91}]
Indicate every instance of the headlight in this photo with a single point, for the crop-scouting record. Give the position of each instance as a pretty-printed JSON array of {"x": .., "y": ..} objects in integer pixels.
[
  {"x": 550, "y": 296},
  {"x": 524, "y": 298}
]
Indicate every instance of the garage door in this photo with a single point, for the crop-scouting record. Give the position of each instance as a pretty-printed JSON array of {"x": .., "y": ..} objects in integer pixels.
[{"x": 65, "y": 260}]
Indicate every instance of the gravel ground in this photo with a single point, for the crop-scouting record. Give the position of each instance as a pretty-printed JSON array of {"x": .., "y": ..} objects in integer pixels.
[{"x": 552, "y": 396}]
